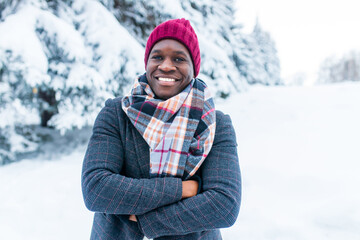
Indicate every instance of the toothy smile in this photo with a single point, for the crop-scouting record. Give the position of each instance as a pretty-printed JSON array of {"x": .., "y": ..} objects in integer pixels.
[{"x": 166, "y": 79}]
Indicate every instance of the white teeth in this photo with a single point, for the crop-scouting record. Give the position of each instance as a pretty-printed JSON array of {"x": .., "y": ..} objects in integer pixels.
[{"x": 166, "y": 79}]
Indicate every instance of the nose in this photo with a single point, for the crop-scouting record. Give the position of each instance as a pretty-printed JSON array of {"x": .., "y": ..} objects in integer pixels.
[{"x": 167, "y": 65}]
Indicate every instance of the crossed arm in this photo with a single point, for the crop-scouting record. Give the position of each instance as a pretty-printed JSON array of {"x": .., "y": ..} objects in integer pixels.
[
  {"x": 189, "y": 189},
  {"x": 163, "y": 206}
]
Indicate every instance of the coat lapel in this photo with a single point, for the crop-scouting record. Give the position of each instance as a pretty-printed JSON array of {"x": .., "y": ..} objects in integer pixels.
[{"x": 141, "y": 149}]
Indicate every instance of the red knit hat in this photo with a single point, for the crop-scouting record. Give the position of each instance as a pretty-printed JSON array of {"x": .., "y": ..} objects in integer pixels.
[{"x": 180, "y": 30}]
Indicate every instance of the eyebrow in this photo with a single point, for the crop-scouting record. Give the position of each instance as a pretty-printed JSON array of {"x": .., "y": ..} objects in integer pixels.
[
  {"x": 176, "y": 52},
  {"x": 180, "y": 52},
  {"x": 155, "y": 51}
]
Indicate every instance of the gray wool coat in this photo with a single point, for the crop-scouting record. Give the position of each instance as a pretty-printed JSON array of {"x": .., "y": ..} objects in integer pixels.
[{"x": 116, "y": 184}]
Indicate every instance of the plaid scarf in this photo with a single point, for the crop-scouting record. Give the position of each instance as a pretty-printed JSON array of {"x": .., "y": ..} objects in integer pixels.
[{"x": 179, "y": 131}]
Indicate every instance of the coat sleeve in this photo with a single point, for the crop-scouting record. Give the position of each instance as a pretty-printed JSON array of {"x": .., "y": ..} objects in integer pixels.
[
  {"x": 217, "y": 206},
  {"x": 104, "y": 188}
]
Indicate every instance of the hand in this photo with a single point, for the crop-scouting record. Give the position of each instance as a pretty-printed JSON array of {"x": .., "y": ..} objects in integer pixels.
[
  {"x": 132, "y": 218},
  {"x": 189, "y": 188}
]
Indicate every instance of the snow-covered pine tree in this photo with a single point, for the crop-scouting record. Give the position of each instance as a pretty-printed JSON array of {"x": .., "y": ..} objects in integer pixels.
[
  {"x": 17, "y": 110},
  {"x": 346, "y": 68},
  {"x": 265, "y": 64},
  {"x": 60, "y": 60}
]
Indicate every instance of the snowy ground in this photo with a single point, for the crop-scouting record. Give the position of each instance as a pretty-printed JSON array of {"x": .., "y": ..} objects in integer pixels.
[{"x": 299, "y": 151}]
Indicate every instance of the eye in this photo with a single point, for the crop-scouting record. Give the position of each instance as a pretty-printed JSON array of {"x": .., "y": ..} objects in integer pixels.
[
  {"x": 179, "y": 59},
  {"x": 157, "y": 57}
]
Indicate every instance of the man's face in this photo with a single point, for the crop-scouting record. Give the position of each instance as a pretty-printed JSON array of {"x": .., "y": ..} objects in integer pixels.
[{"x": 169, "y": 68}]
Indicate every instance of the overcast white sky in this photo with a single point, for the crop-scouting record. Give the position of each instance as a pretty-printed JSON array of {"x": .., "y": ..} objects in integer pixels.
[{"x": 305, "y": 31}]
